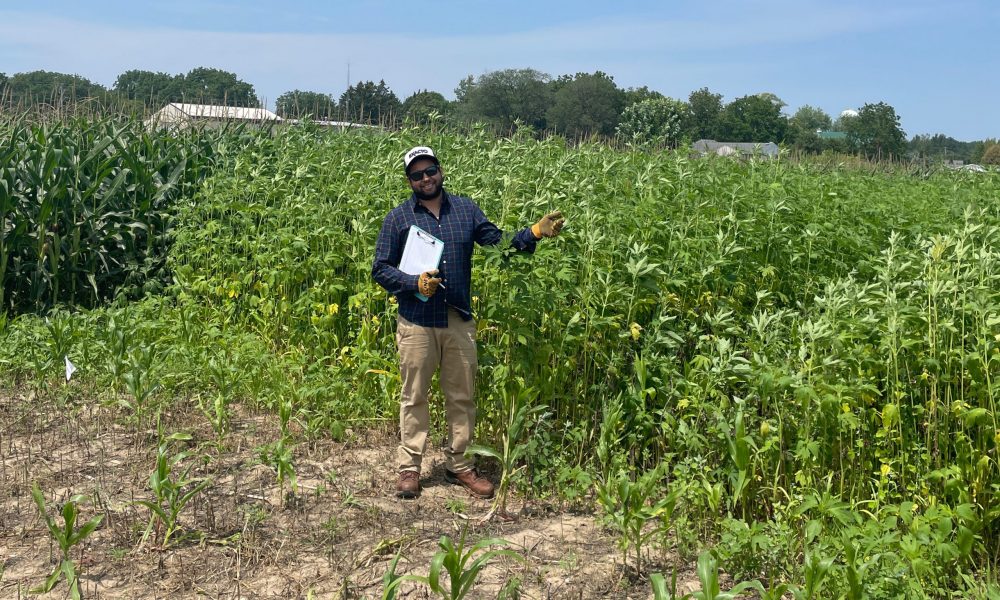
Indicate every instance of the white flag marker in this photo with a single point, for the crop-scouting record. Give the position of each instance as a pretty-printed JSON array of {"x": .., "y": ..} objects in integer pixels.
[{"x": 70, "y": 368}]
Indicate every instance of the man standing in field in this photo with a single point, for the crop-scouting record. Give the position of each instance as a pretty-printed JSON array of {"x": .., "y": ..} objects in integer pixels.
[{"x": 439, "y": 332}]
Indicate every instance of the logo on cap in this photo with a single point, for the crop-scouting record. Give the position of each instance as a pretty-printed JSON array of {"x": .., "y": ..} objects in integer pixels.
[{"x": 416, "y": 153}]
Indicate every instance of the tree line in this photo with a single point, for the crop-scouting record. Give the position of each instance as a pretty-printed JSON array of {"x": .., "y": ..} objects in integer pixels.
[
  {"x": 574, "y": 106},
  {"x": 132, "y": 89}
]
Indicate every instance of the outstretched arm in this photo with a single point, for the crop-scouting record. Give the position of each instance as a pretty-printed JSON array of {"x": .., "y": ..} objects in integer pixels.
[{"x": 488, "y": 234}]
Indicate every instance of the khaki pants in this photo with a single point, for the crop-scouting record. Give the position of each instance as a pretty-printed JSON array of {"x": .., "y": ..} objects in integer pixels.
[{"x": 422, "y": 350}]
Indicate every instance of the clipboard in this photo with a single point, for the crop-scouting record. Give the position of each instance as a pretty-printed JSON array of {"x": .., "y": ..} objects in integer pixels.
[{"x": 422, "y": 253}]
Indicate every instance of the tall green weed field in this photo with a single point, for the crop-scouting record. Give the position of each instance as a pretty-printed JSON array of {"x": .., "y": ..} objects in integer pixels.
[{"x": 803, "y": 357}]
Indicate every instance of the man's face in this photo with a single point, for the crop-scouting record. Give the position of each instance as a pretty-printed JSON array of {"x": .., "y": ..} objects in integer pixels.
[{"x": 427, "y": 187}]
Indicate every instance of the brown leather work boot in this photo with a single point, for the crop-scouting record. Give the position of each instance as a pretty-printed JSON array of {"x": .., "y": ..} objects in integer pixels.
[
  {"x": 409, "y": 484},
  {"x": 478, "y": 486}
]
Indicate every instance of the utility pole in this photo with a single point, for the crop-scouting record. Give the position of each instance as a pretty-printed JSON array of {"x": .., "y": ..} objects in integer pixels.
[{"x": 347, "y": 94}]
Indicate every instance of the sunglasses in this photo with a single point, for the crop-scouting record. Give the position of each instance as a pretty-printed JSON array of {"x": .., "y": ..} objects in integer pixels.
[{"x": 430, "y": 171}]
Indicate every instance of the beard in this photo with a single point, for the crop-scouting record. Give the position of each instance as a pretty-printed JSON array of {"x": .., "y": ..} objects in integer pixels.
[{"x": 421, "y": 195}]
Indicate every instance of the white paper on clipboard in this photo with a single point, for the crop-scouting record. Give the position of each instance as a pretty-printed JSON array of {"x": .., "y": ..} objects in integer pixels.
[{"x": 422, "y": 253}]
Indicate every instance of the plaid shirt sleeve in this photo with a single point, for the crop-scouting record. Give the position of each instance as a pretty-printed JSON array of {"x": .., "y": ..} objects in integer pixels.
[
  {"x": 388, "y": 252},
  {"x": 488, "y": 234}
]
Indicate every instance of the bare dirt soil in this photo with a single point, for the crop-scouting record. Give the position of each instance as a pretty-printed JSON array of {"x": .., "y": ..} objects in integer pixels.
[{"x": 243, "y": 537}]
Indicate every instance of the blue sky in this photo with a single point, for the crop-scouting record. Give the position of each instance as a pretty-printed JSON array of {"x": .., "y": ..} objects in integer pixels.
[{"x": 931, "y": 60}]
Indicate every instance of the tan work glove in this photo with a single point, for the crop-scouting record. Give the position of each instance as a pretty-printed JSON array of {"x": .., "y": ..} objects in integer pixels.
[
  {"x": 428, "y": 283},
  {"x": 548, "y": 226}
]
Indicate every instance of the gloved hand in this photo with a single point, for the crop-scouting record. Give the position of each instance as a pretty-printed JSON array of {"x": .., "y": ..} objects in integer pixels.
[
  {"x": 548, "y": 226},
  {"x": 428, "y": 283}
]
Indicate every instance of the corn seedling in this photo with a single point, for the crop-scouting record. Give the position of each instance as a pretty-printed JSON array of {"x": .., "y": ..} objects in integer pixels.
[
  {"x": 171, "y": 491},
  {"x": 391, "y": 581},
  {"x": 216, "y": 409},
  {"x": 661, "y": 591},
  {"x": 139, "y": 383},
  {"x": 223, "y": 375},
  {"x": 628, "y": 505},
  {"x": 511, "y": 589},
  {"x": 278, "y": 455},
  {"x": 816, "y": 571},
  {"x": 460, "y": 565},
  {"x": 708, "y": 576},
  {"x": 66, "y": 536}
]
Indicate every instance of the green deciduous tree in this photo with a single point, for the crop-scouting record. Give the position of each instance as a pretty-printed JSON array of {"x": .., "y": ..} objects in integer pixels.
[
  {"x": 706, "y": 109},
  {"x": 804, "y": 125},
  {"x": 205, "y": 85},
  {"x": 637, "y": 95},
  {"x": 773, "y": 99},
  {"x": 655, "y": 121},
  {"x": 371, "y": 103},
  {"x": 755, "y": 118},
  {"x": 298, "y": 104},
  {"x": 876, "y": 132},
  {"x": 940, "y": 147},
  {"x": 810, "y": 118},
  {"x": 505, "y": 97},
  {"x": 979, "y": 149},
  {"x": 151, "y": 89},
  {"x": 55, "y": 89},
  {"x": 202, "y": 85},
  {"x": 419, "y": 106},
  {"x": 992, "y": 155},
  {"x": 585, "y": 104}
]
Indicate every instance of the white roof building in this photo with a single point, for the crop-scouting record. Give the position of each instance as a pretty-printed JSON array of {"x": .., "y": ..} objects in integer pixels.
[
  {"x": 766, "y": 150},
  {"x": 181, "y": 115}
]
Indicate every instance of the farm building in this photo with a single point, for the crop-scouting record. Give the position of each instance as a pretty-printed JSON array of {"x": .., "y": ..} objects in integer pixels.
[
  {"x": 705, "y": 147},
  {"x": 180, "y": 115}
]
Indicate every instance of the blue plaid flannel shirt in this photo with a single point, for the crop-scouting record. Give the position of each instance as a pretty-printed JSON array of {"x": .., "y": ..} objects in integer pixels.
[{"x": 462, "y": 222}]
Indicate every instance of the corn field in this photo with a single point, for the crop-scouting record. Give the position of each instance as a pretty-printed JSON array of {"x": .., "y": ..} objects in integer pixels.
[
  {"x": 87, "y": 208},
  {"x": 795, "y": 362}
]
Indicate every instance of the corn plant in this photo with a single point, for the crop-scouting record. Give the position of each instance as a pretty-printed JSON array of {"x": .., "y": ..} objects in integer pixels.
[
  {"x": 519, "y": 414},
  {"x": 708, "y": 576},
  {"x": 816, "y": 571},
  {"x": 66, "y": 536},
  {"x": 117, "y": 343},
  {"x": 278, "y": 455},
  {"x": 661, "y": 591},
  {"x": 391, "y": 580},
  {"x": 223, "y": 374},
  {"x": 629, "y": 505},
  {"x": 92, "y": 202},
  {"x": 460, "y": 565},
  {"x": 171, "y": 491},
  {"x": 55, "y": 347},
  {"x": 140, "y": 383},
  {"x": 739, "y": 444}
]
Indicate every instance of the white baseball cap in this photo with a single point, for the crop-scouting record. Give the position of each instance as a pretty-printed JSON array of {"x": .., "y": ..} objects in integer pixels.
[{"x": 418, "y": 152}]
